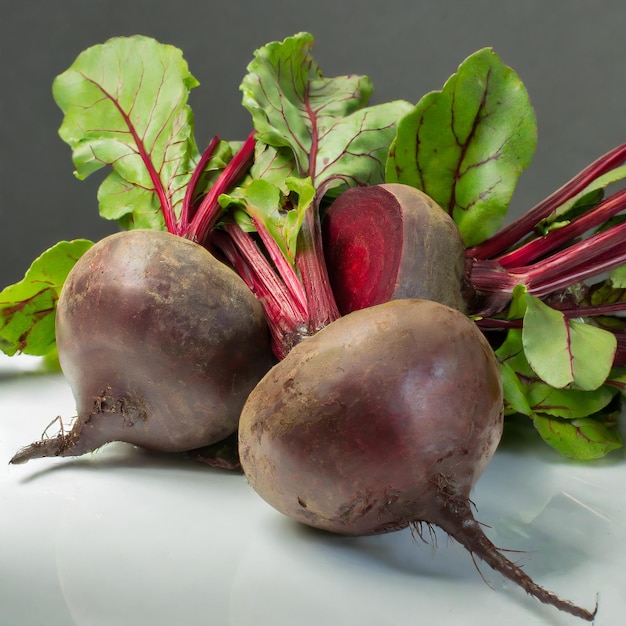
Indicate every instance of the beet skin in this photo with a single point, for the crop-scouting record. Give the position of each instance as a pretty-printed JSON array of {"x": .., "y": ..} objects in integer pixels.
[{"x": 358, "y": 427}]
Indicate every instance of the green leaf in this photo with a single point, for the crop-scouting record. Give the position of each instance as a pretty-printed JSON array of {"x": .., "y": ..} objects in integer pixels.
[
  {"x": 568, "y": 403},
  {"x": 566, "y": 352},
  {"x": 332, "y": 138},
  {"x": 618, "y": 277},
  {"x": 130, "y": 205},
  {"x": 466, "y": 145},
  {"x": 124, "y": 105},
  {"x": 595, "y": 189},
  {"x": 27, "y": 308},
  {"x": 273, "y": 165},
  {"x": 511, "y": 352},
  {"x": 617, "y": 377},
  {"x": 514, "y": 391},
  {"x": 583, "y": 439},
  {"x": 591, "y": 432},
  {"x": 265, "y": 203}
]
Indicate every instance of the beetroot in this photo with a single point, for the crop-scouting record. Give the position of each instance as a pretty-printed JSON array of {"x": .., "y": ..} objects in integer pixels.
[
  {"x": 378, "y": 241},
  {"x": 384, "y": 419},
  {"x": 160, "y": 343}
]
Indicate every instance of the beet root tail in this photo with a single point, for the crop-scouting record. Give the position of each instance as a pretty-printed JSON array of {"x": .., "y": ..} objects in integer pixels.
[
  {"x": 74, "y": 442},
  {"x": 40, "y": 449},
  {"x": 458, "y": 521}
]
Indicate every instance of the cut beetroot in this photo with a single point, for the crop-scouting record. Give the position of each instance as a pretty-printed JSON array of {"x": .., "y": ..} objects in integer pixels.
[{"x": 388, "y": 242}]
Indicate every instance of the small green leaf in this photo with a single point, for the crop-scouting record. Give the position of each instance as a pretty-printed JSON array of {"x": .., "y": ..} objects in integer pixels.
[
  {"x": 583, "y": 439},
  {"x": 592, "y": 351},
  {"x": 332, "y": 137},
  {"x": 618, "y": 277},
  {"x": 568, "y": 403},
  {"x": 594, "y": 190},
  {"x": 517, "y": 307},
  {"x": 564, "y": 352},
  {"x": 27, "y": 308},
  {"x": 124, "y": 105},
  {"x": 514, "y": 391},
  {"x": 605, "y": 292},
  {"x": 564, "y": 215},
  {"x": 466, "y": 145},
  {"x": 264, "y": 202}
]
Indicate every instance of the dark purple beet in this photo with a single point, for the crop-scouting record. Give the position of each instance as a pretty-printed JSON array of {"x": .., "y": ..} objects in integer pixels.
[
  {"x": 384, "y": 419},
  {"x": 389, "y": 242},
  {"x": 160, "y": 343}
]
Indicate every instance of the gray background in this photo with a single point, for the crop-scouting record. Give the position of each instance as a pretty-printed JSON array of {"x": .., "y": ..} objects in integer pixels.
[{"x": 570, "y": 54}]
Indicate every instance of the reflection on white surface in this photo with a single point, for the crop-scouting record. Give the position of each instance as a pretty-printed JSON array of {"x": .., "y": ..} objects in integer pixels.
[{"x": 124, "y": 537}]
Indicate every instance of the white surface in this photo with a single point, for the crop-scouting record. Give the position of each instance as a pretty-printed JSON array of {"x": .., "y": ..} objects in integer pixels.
[{"x": 123, "y": 537}]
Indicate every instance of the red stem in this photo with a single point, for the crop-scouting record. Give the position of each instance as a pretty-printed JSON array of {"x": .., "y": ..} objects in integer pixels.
[
  {"x": 285, "y": 270},
  {"x": 556, "y": 238},
  {"x": 209, "y": 210},
  {"x": 312, "y": 266},
  {"x": 286, "y": 319},
  {"x": 589, "y": 257},
  {"x": 597, "y": 310},
  {"x": 521, "y": 227},
  {"x": 185, "y": 214}
]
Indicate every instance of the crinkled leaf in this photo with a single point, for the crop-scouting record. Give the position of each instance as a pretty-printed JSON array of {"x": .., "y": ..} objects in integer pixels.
[
  {"x": 273, "y": 165},
  {"x": 322, "y": 121},
  {"x": 125, "y": 106},
  {"x": 566, "y": 352},
  {"x": 130, "y": 205},
  {"x": 582, "y": 439},
  {"x": 265, "y": 203},
  {"x": 356, "y": 150},
  {"x": 27, "y": 308},
  {"x": 466, "y": 145}
]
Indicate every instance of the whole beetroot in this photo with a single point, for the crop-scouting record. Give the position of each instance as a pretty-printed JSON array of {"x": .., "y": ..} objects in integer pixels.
[
  {"x": 384, "y": 419},
  {"x": 160, "y": 343}
]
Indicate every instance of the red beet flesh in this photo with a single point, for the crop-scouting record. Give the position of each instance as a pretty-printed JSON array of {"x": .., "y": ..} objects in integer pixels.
[
  {"x": 160, "y": 343},
  {"x": 389, "y": 242},
  {"x": 384, "y": 419}
]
